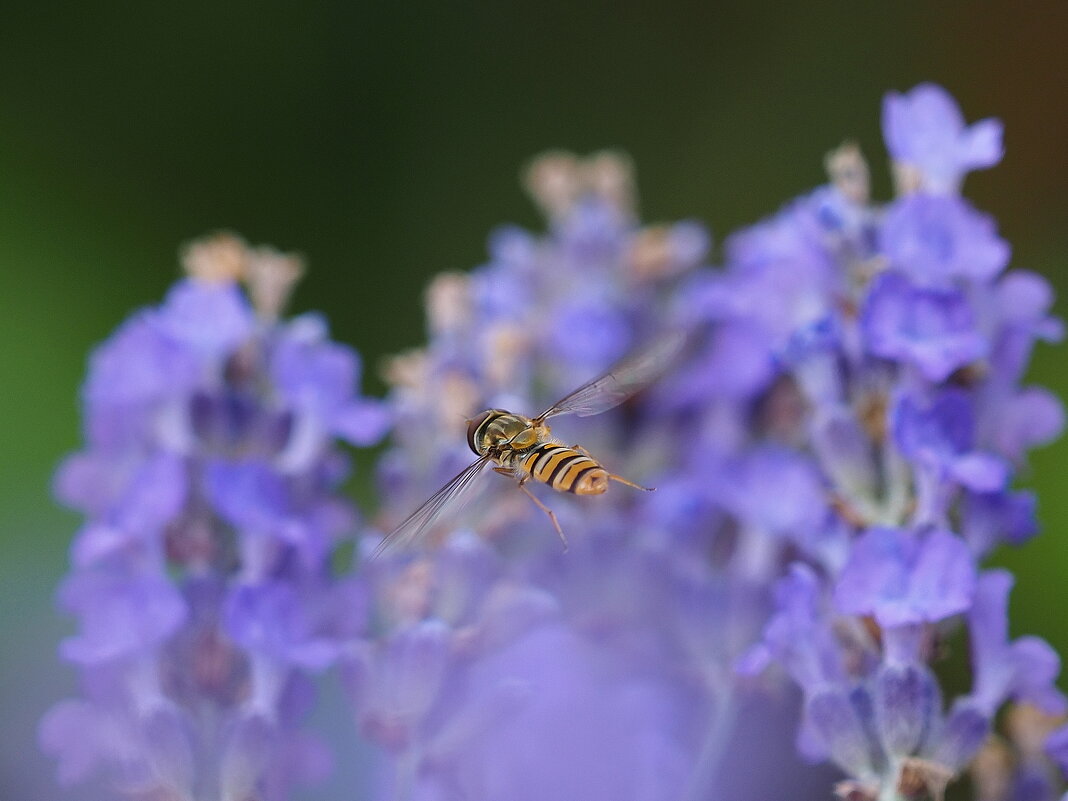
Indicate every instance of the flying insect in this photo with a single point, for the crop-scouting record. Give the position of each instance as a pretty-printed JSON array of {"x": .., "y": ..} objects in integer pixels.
[{"x": 524, "y": 448}]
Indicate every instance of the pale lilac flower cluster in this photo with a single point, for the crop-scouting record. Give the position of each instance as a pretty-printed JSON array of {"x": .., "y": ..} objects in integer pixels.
[
  {"x": 834, "y": 456},
  {"x": 200, "y": 579}
]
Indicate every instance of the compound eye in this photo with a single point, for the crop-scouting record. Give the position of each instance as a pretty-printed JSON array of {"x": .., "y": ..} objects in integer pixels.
[{"x": 472, "y": 428}]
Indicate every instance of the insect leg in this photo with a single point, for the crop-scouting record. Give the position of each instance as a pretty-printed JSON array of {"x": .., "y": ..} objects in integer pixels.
[
  {"x": 548, "y": 511},
  {"x": 622, "y": 480}
]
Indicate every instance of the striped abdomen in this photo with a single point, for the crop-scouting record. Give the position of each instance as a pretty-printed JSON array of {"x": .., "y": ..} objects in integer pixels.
[{"x": 564, "y": 469}]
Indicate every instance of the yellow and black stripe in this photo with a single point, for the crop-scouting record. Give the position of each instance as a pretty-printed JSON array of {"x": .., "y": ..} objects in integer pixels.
[{"x": 560, "y": 467}]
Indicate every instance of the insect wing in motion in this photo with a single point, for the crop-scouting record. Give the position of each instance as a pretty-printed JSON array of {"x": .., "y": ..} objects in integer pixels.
[
  {"x": 419, "y": 521},
  {"x": 633, "y": 373}
]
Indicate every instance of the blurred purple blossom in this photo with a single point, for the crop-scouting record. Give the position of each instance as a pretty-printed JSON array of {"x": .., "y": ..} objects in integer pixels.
[{"x": 200, "y": 579}]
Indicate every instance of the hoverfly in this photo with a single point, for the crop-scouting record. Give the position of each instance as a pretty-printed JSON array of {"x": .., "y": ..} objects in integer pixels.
[{"x": 524, "y": 448}]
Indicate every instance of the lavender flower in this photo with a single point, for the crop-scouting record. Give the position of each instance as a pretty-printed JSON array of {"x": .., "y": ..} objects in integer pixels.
[
  {"x": 834, "y": 454},
  {"x": 199, "y": 581},
  {"x": 837, "y": 407},
  {"x": 912, "y": 442}
]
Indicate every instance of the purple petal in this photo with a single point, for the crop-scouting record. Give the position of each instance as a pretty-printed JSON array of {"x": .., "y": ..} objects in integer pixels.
[
  {"x": 980, "y": 472},
  {"x": 965, "y": 730},
  {"x": 1025, "y": 669},
  {"x": 271, "y": 619},
  {"x": 90, "y": 481},
  {"x": 211, "y": 319},
  {"x": 935, "y": 433},
  {"x": 902, "y": 577},
  {"x": 1024, "y": 298},
  {"x": 70, "y": 732},
  {"x": 254, "y": 498},
  {"x": 1057, "y": 748},
  {"x": 907, "y": 705},
  {"x": 412, "y": 673},
  {"x": 589, "y": 333},
  {"x": 98, "y": 541},
  {"x": 991, "y": 518},
  {"x": 154, "y": 496},
  {"x": 577, "y": 724},
  {"x": 120, "y": 615},
  {"x": 363, "y": 422},
  {"x": 139, "y": 364},
  {"x": 735, "y": 363},
  {"x": 311, "y": 373},
  {"x": 689, "y": 243},
  {"x": 982, "y": 145},
  {"x": 942, "y": 579},
  {"x": 799, "y": 634},
  {"x": 932, "y": 329},
  {"x": 1037, "y": 666},
  {"x": 935, "y": 239},
  {"x": 1033, "y": 417},
  {"x": 775, "y": 490},
  {"x": 845, "y": 453},
  {"x": 925, "y": 128},
  {"x": 839, "y": 720}
]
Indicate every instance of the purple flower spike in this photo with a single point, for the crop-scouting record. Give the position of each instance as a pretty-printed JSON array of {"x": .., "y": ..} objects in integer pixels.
[
  {"x": 925, "y": 129},
  {"x": 901, "y": 577},
  {"x": 835, "y": 448},
  {"x": 931, "y": 329},
  {"x": 201, "y": 578}
]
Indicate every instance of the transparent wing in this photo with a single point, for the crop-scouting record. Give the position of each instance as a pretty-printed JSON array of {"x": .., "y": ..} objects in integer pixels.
[
  {"x": 629, "y": 375},
  {"x": 417, "y": 523}
]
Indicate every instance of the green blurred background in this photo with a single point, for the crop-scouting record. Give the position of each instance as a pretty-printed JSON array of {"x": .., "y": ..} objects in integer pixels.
[{"x": 383, "y": 141}]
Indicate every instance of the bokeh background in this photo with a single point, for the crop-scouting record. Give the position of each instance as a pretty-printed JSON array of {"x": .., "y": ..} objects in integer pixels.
[{"x": 383, "y": 141}]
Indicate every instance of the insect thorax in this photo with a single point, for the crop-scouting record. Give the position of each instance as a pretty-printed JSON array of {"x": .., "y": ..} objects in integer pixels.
[{"x": 495, "y": 430}]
